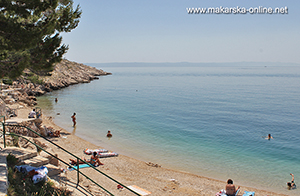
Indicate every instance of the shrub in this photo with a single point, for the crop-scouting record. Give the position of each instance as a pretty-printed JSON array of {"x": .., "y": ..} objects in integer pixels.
[
  {"x": 19, "y": 184},
  {"x": 7, "y": 81},
  {"x": 35, "y": 79}
]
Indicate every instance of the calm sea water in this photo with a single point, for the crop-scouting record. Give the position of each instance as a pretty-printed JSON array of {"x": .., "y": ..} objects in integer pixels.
[{"x": 206, "y": 119}]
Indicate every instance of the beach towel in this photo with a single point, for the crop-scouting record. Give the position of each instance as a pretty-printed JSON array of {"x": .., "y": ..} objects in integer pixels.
[
  {"x": 80, "y": 167},
  {"x": 89, "y": 151},
  {"x": 40, "y": 172},
  {"x": 248, "y": 193}
]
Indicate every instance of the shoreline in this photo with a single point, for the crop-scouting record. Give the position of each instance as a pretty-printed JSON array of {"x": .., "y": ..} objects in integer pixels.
[{"x": 131, "y": 171}]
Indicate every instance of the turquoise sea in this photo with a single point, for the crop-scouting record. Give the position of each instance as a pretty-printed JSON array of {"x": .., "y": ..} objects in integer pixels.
[{"x": 206, "y": 119}]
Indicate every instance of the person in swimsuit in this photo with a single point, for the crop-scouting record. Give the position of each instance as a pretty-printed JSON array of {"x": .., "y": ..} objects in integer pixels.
[
  {"x": 291, "y": 185},
  {"x": 74, "y": 119},
  {"x": 230, "y": 188},
  {"x": 93, "y": 161}
]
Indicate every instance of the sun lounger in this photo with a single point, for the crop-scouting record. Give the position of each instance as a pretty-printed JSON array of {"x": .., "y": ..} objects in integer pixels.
[
  {"x": 89, "y": 151},
  {"x": 107, "y": 154}
]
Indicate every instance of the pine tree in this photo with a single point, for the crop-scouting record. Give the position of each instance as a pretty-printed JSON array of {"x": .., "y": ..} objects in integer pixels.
[{"x": 30, "y": 34}]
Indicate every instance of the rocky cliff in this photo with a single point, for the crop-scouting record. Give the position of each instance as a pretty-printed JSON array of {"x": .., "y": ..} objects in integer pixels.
[{"x": 65, "y": 73}]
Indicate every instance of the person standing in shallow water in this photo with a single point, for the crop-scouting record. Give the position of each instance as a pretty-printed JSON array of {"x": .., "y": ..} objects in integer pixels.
[
  {"x": 74, "y": 119},
  {"x": 291, "y": 185}
]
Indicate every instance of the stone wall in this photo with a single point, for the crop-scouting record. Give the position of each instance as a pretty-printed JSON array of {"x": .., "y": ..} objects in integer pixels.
[{"x": 2, "y": 108}]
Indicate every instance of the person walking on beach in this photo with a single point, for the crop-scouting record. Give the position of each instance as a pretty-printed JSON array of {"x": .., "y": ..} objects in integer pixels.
[
  {"x": 230, "y": 188},
  {"x": 74, "y": 119},
  {"x": 291, "y": 185}
]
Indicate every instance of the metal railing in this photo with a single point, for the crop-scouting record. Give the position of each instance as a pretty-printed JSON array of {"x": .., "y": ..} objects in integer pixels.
[{"x": 78, "y": 159}]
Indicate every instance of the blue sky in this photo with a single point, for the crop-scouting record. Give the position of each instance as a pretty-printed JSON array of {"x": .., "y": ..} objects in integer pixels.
[{"x": 163, "y": 31}]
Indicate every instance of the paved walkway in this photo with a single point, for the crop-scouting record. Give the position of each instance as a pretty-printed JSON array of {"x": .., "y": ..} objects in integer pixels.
[{"x": 3, "y": 174}]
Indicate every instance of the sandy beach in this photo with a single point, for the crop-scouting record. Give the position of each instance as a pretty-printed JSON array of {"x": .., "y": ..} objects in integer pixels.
[{"x": 129, "y": 171}]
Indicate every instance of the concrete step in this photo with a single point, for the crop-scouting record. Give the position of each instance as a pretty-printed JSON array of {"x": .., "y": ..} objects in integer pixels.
[
  {"x": 36, "y": 161},
  {"x": 20, "y": 153},
  {"x": 53, "y": 170}
]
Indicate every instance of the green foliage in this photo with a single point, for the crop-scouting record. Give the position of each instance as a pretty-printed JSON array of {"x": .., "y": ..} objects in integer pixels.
[
  {"x": 35, "y": 79},
  {"x": 7, "y": 81},
  {"x": 20, "y": 185},
  {"x": 30, "y": 34},
  {"x": 11, "y": 160},
  {"x": 15, "y": 140}
]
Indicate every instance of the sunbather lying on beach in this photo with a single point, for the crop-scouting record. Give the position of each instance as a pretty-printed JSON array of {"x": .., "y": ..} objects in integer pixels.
[
  {"x": 55, "y": 134},
  {"x": 51, "y": 132},
  {"x": 93, "y": 161}
]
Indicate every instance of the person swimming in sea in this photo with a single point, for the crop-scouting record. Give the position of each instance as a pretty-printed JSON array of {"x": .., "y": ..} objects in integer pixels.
[
  {"x": 269, "y": 137},
  {"x": 109, "y": 135}
]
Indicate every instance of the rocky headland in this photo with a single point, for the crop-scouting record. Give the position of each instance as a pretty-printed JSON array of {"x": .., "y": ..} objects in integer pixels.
[{"x": 25, "y": 88}]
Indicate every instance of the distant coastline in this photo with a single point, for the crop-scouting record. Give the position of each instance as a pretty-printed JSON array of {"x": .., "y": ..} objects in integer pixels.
[{"x": 193, "y": 64}]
